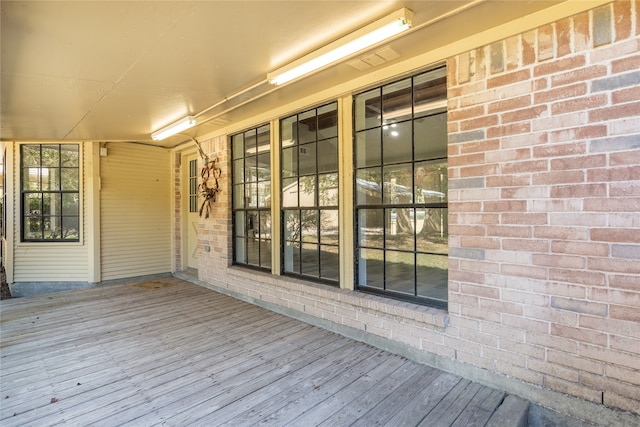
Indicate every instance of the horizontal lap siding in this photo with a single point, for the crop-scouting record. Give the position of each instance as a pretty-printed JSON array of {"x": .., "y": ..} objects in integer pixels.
[
  {"x": 50, "y": 262},
  {"x": 135, "y": 211}
]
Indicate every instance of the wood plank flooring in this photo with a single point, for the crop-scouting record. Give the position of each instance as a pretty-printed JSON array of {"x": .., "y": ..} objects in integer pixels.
[{"x": 165, "y": 352}]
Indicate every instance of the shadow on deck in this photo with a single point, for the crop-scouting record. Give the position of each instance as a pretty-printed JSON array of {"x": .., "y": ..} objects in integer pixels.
[{"x": 167, "y": 352}]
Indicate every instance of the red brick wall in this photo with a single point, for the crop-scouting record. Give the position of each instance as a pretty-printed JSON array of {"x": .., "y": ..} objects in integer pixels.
[{"x": 544, "y": 174}]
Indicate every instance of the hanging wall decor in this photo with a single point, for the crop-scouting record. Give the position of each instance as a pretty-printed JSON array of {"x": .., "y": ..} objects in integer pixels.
[{"x": 209, "y": 187}]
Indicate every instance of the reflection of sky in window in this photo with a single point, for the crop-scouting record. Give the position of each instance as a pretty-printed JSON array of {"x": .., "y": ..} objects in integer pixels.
[{"x": 36, "y": 172}]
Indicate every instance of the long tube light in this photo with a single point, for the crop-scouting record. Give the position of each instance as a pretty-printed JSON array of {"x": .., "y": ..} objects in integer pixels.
[
  {"x": 359, "y": 40},
  {"x": 172, "y": 129}
]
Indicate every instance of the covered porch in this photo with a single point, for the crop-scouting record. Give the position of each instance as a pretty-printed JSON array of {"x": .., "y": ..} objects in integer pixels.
[{"x": 164, "y": 351}]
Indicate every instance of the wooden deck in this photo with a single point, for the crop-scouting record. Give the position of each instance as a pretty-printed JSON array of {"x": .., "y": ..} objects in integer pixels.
[{"x": 167, "y": 352}]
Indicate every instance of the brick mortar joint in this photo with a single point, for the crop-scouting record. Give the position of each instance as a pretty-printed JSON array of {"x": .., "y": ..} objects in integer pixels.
[
  {"x": 418, "y": 315},
  {"x": 478, "y": 62}
]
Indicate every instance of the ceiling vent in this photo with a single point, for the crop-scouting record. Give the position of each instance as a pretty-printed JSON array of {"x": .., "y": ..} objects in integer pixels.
[
  {"x": 374, "y": 59},
  {"x": 219, "y": 121}
]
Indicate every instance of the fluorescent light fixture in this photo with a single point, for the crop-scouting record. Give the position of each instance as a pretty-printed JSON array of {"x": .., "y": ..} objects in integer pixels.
[
  {"x": 174, "y": 128},
  {"x": 357, "y": 41}
]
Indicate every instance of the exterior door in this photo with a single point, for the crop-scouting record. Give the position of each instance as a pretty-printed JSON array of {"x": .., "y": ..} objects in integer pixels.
[{"x": 190, "y": 209}]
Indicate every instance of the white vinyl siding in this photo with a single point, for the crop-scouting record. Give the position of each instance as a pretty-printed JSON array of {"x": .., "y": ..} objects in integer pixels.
[
  {"x": 44, "y": 261},
  {"x": 135, "y": 211}
]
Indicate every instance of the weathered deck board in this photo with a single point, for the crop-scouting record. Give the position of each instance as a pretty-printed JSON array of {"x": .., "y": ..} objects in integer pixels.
[
  {"x": 249, "y": 409},
  {"x": 348, "y": 393},
  {"x": 311, "y": 397},
  {"x": 424, "y": 401},
  {"x": 260, "y": 383},
  {"x": 476, "y": 414},
  {"x": 166, "y": 352},
  {"x": 399, "y": 399},
  {"x": 171, "y": 392}
]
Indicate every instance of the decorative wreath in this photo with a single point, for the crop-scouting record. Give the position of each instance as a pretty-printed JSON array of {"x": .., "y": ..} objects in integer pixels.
[{"x": 210, "y": 172}]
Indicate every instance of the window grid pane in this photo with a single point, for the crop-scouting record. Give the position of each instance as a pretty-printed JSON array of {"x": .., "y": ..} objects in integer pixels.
[
  {"x": 309, "y": 198},
  {"x": 50, "y": 187},
  {"x": 400, "y": 165},
  {"x": 252, "y": 197},
  {"x": 193, "y": 186}
]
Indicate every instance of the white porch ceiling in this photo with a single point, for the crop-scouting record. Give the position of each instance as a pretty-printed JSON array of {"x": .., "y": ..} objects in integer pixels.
[{"x": 118, "y": 70}]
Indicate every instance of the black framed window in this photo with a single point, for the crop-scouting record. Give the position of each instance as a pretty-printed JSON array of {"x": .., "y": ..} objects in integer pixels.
[
  {"x": 252, "y": 197},
  {"x": 309, "y": 198},
  {"x": 193, "y": 185},
  {"x": 400, "y": 180},
  {"x": 50, "y": 202}
]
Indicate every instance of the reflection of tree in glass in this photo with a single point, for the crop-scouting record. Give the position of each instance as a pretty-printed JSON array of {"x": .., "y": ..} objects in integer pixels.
[
  {"x": 51, "y": 184},
  {"x": 431, "y": 187},
  {"x": 328, "y": 189},
  {"x": 307, "y": 189},
  {"x": 310, "y": 219},
  {"x": 397, "y": 191},
  {"x": 306, "y": 223},
  {"x": 415, "y": 205}
]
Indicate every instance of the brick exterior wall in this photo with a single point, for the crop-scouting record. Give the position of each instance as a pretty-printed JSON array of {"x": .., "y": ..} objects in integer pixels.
[
  {"x": 215, "y": 243},
  {"x": 544, "y": 174},
  {"x": 544, "y": 270},
  {"x": 177, "y": 212}
]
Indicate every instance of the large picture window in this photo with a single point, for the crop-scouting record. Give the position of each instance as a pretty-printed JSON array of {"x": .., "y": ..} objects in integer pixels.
[
  {"x": 400, "y": 160},
  {"x": 252, "y": 197},
  {"x": 309, "y": 172},
  {"x": 50, "y": 193}
]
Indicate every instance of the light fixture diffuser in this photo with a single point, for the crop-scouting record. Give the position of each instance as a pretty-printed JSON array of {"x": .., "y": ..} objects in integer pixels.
[
  {"x": 357, "y": 41},
  {"x": 174, "y": 128}
]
